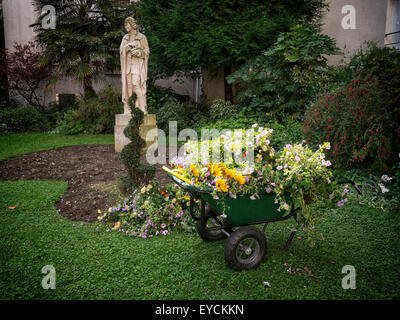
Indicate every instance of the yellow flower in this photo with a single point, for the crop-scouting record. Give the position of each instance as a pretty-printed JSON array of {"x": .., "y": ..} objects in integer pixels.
[
  {"x": 214, "y": 169},
  {"x": 143, "y": 190},
  {"x": 194, "y": 170},
  {"x": 99, "y": 211},
  {"x": 117, "y": 225},
  {"x": 240, "y": 179},
  {"x": 229, "y": 173},
  {"x": 221, "y": 185},
  {"x": 267, "y": 114}
]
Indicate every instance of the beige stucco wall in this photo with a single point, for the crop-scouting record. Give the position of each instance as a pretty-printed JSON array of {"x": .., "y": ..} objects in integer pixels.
[
  {"x": 18, "y": 15},
  {"x": 370, "y": 25}
]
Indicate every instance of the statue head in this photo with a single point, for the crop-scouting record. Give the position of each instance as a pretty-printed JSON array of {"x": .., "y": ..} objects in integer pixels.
[{"x": 130, "y": 23}]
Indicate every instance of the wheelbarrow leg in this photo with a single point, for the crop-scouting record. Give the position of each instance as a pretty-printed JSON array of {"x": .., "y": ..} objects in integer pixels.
[
  {"x": 265, "y": 227},
  {"x": 289, "y": 241}
]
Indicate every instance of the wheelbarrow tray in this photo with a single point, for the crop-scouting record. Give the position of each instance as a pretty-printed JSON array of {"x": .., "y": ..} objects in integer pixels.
[
  {"x": 239, "y": 211},
  {"x": 243, "y": 210}
]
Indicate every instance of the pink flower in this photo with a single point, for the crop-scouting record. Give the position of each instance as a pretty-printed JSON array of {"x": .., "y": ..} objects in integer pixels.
[
  {"x": 252, "y": 197},
  {"x": 268, "y": 190},
  {"x": 163, "y": 225}
]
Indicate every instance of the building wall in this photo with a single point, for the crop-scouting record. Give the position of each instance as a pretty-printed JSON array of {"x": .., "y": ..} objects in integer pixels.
[{"x": 370, "y": 24}]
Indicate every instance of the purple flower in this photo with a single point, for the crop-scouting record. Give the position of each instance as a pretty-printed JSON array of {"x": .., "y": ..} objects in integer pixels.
[
  {"x": 232, "y": 195},
  {"x": 288, "y": 146},
  {"x": 215, "y": 197},
  {"x": 268, "y": 190}
]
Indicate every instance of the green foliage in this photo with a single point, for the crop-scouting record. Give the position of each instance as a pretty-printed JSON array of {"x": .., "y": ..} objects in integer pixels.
[
  {"x": 361, "y": 122},
  {"x": 370, "y": 60},
  {"x": 380, "y": 192},
  {"x": 156, "y": 96},
  {"x": 221, "y": 109},
  {"x": 286, "y": 131},
  {"x": 172, "y": 110},
  {"x": 95, "y": 114},
  {"x": 185, "y": 35},
  {"x": 283, "y": 79},
  {"x": 23, "y": 119},
  {"x": 130, "y": 154}
]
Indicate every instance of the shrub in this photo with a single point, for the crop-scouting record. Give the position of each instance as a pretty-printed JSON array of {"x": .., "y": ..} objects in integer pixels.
[
  {"x": 23, "y": 119},
  {"x": 95, "y": 114},
  {"x": 156, "y": 96},
  {"x": 377, "y": 62},
  {"x": 285, "y": 78},
  {"x": 360, "y": 121},
  {"x": 130, "y": 154},
  {"x": 172, "y": 110},
  {"x": 221, "y": 109},
  {"x": 72, "y": 123}
]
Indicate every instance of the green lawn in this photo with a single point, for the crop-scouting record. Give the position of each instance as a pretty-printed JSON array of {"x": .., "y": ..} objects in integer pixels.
[
  {"x": 15, "y": 144},
  {"x": 101, "y": 265}
]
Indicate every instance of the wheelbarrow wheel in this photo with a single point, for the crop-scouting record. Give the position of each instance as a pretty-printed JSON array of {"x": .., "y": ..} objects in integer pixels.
[
  {"x": 211, "y": 221},
  {"x": 245, "y": 249}
]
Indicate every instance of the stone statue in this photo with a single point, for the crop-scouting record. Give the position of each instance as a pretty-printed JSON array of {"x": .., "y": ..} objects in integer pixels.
[{"x": 134, "y": 53}]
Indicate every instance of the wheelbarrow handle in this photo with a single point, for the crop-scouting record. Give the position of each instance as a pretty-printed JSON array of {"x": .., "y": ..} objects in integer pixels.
[{"x": 352, "y": 183}]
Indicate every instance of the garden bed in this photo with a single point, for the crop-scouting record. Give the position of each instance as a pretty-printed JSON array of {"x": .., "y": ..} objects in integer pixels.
[{"x": 91, "y": 172}]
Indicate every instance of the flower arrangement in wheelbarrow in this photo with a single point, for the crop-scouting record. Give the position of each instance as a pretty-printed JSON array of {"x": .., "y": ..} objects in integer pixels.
[
  {"x": 239, "y": 193},
  {"x": 296, "y": 175}
]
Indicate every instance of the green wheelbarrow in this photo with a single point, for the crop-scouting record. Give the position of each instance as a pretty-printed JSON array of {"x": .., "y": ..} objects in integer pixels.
[{"x": 246, "y": 246}]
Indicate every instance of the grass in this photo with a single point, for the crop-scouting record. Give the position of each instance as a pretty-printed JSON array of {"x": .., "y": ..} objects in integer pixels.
[
  {"x": 94, "y": 264},
  {"x": 16, "y": 144},
  {"x": 101, "y": 265}
]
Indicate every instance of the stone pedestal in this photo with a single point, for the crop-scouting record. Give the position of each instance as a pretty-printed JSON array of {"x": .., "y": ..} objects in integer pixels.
[{"x": 122, "y": 120}]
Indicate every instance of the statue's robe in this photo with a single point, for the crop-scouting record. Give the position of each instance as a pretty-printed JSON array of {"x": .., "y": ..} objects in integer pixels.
[{"x": 137, "y": 67}]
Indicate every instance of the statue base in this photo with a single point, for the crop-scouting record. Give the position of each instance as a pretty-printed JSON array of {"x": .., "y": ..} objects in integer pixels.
[{"x": 122, "y": 120}]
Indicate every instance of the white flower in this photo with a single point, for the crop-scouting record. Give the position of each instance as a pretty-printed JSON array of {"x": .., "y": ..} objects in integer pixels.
[
  {"x": 386, "y": 178},
  {"x": 383, "y": 188},
  {"x": 279, "y": 168},
  {"x": 254, "y": 125}
]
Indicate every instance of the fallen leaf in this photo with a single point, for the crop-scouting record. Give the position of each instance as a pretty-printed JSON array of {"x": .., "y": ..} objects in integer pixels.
[{"x": 12, "y": 208}]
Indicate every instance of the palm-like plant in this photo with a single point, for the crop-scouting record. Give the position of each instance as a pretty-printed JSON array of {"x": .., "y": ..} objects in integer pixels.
[{"x": 85, "y": 34}]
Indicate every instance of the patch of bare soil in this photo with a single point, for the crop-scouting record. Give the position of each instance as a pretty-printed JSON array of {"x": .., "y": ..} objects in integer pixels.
[{"x": 91, "y": 172}]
